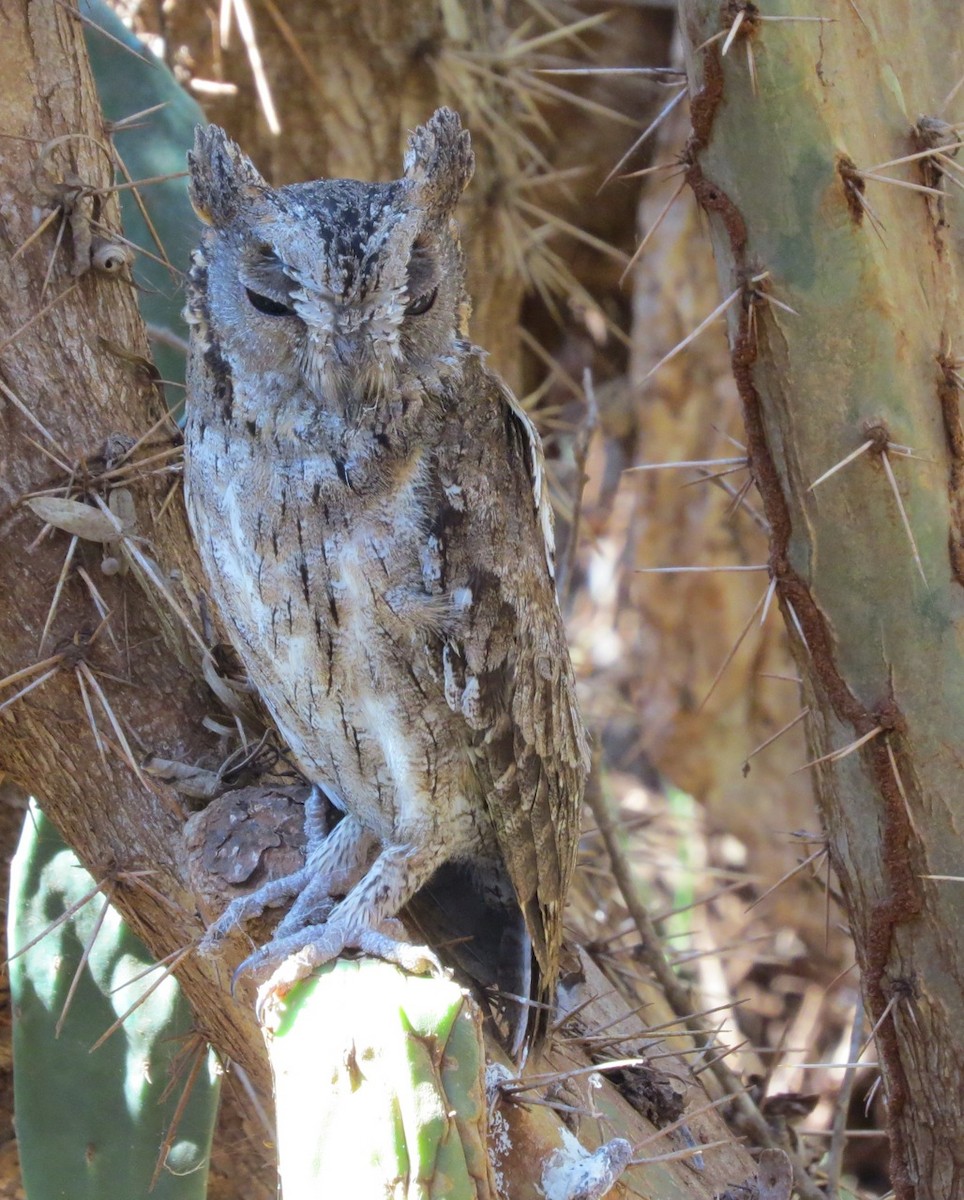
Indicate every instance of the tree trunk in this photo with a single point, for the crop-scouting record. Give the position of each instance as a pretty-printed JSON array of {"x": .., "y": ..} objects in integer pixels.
[
  {"x": 868, "y": 564},
  {"x": 76, "y": 389}
]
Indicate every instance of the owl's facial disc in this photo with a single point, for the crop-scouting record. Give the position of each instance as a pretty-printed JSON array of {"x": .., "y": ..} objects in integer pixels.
[
  {"x": 351, "y": 284},
  {"x": 361, "y": 308}
]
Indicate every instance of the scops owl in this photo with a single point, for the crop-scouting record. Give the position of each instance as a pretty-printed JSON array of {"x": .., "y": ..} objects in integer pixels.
[{"x": 370, "y": 506}]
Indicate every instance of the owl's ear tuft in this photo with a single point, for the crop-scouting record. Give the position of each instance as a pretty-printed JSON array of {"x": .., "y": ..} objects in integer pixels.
[
  {"x": 222, "y": 177},
  {"x": 439, "y": 161}
]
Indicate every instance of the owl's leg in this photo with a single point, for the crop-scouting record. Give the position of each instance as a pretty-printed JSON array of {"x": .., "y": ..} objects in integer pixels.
[
  {"x": 332, "y": 865},
  {"x": 363, "y": 921}
]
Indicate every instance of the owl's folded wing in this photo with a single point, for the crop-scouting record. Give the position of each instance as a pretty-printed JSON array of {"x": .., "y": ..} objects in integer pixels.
[{"x": 506, "y": 663}]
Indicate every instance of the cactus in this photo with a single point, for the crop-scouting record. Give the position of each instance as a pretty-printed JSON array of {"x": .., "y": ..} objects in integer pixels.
[
  {"x": 403, "y": 1112},
  {"x": 92, "y": 1126},
  {"x": 795, "y": 133}
]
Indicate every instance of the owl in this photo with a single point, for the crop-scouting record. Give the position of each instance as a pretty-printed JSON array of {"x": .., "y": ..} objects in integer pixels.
[{"x": 370, "y": 507}]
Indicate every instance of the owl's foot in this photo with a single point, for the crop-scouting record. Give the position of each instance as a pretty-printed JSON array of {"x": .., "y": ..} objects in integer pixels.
[
  {"x": 294, "y": 958},
  {"x": 332, "y": 865},
  {"x": 363, "y": 921},
  {"x": 246, "y": 908},
  {"x": 316, "y": 930}
]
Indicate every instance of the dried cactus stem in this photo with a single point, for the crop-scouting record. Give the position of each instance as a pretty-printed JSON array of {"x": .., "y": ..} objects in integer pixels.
[
  {"x": 775, "y": 168},
  {"x": 905, "y": 901}
]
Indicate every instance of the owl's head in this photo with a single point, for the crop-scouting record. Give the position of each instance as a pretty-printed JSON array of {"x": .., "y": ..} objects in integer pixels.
[{"x": 353, "y": 285}]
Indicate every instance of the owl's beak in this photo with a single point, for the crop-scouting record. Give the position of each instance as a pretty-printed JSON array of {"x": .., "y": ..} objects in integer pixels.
[
  {"x": 357, "y": 350},
  {"x": 344, "y": 368}
]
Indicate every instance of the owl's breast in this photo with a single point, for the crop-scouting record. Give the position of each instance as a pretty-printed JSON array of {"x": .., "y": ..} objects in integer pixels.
[
  {"x": 336, "y": 604},
  {"x": 286, "y": 539}
]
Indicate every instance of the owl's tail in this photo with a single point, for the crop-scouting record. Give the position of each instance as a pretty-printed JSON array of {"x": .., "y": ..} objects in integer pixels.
[{"x": 473, "y": 922}]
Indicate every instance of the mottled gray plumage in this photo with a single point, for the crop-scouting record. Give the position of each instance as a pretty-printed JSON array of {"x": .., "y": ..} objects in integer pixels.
[{"x": 369, "y": 504}]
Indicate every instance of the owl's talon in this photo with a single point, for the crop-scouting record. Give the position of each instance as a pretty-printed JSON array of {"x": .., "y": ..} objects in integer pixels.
[
  {"x": 266, "y": 1004},
  {"x": 295, "y": 957},
  {"x": 236, "y": 974},
  {"x": 213, "y": 941},
  {"x": 416, "y": 960}
]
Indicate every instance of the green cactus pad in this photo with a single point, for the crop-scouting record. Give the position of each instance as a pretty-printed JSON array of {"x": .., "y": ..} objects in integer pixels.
[
  {"x": 90, "y": 1126},
  {"x": 363, "y": 1046}
]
